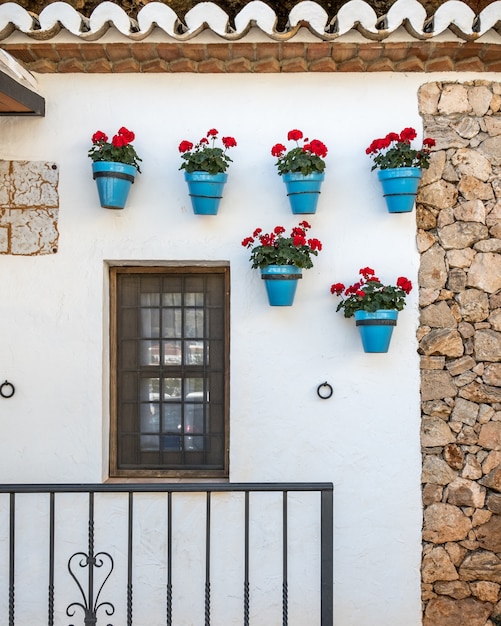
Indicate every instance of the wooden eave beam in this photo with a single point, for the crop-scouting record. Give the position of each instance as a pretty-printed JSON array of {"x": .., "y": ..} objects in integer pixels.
[{"x": 16, "y": 99}]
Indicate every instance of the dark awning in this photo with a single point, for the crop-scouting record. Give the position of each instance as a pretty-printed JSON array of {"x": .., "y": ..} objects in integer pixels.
[{"x": 18, "y": 90}]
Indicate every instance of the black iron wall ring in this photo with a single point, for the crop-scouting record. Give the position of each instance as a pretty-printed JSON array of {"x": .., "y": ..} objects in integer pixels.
[
  {"x": 7, "y": 390},
  {"x": 324, "y": 391}
]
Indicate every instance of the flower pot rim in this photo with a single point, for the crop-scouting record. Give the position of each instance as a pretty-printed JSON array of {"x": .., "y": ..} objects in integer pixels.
[
  {"x": 112, "y": 165},
  {"x": 201, "y": 174},
  {"x": 300, "y": 176},
  {"x": 377, "y": 313},
  {"x": 400, "y": 172},
  {"x": 284, "y": 266}
]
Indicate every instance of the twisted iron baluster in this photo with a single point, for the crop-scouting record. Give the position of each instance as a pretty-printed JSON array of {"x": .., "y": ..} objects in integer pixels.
[
  {"x": 50, "y": 616},
  {"x": 129, "y": 559},
  {"x": 12, "y": 513},
  {"x": 169, "y": 559},
  {"x": 285, "y": 593},
  {"x": 207, "y": 562},
  {"x": 246, "y": 560}
]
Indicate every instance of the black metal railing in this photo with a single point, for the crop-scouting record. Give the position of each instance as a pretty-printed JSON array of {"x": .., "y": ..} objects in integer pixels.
[{"x": 92, "y": 571}]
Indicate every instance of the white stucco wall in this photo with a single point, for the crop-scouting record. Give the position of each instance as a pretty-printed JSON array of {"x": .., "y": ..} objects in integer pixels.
[{"x": 54, "y": 336}]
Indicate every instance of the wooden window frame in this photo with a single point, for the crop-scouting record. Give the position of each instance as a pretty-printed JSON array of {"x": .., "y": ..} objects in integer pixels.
[{"x": 187, "y": 267}]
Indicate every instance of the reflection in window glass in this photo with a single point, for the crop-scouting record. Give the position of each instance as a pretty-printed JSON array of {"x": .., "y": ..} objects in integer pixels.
[
  {"x": 194, "y": 352},
  {"x": 172, "y": 353},
  {"x": 172, "y": 388},
  {"x": 194, "y": 323},
  {"x": 171, "y": 321}
]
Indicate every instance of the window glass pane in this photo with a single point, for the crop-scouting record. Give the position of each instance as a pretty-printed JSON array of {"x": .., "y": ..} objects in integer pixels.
[
  {"x": 150, "y": 389},
  {"x": 172, "y": 289},
  {"x": 171, "y": 299},
  {"x": 128, "y": 291},
  {"x": 127, "y": 386},
  {"x": 194, "y": 352},
  {"x": 194, "y": 298},
  {"x": 128, "y": 322},
  {"x": 171, "y": 422},
  {"x": 193, "y": 389},
  {"x": 172, "y": 388},
  {"x": 194, "y": 323},
  {"x": 194, "y": 418},
  {"x": 150, "y": 352},
  {"x": 128, "y": 355},
  {"x": 150, "y": 299},
  {"x": 150, "y": 287},
  {"x": 171, "y": 322},
  {"x": 172, "y": 352},
  {"x": 149, "y": 443},
  {"x": 150, "y": 423},
  {"x": 150, "y": 323}
]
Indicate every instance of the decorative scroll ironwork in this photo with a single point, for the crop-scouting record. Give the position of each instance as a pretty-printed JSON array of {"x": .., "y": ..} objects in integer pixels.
[{"x": 89, "y": 606}]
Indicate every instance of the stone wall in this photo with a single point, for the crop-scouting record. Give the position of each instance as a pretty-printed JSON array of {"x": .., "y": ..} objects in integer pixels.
[{"x": 459, "y": 239}]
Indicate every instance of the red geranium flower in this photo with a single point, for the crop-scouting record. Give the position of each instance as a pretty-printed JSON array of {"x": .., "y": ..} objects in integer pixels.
[
  {"x": 119, "y": 141},
  {"x": 369, "y": 294},
  {"x": 305, "y": 159},
  {"x": 119, "y": 150},
  {"x": 408, "y": 134},
  {"x": 185, "y": 146},
  {"x": 277, "y": 248},
  {"x": 128, "y": 135},
  {"x": 404, "y": 284},
  {"x": 229, "y": 142},
  {"x": 366, "y": 271},
  {"x": 278, "y": 149},
  {"x": 206, "y": 156},
  {"x": 99, "y": 137},
  {"x": 337, "y": 288},
  {"x": 395, "y": 150},
  {"x": 294, "y": 135}
]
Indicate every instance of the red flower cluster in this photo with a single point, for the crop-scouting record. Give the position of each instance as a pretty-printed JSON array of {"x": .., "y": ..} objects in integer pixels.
[
  {"x": 275, "y": 248},
  {"x": 298, "y": 236},
  {"x": 123, "y": 138},
  {"x": 119, "y": 150},
  {"x": 185, "y": 146},
  {"x": 395, "y": 150},
  {"x": 205, "y": 156},
  {"x": 228, "y": 142},
  {"x": 404, "y": 284},
  {"x": 99, "y": 137},
  {"x": 278, "y": 150},
  {"x": 315, "y": 146},
  {"x": 369, "y": 294},
  {"x": 406, "y": 136}
]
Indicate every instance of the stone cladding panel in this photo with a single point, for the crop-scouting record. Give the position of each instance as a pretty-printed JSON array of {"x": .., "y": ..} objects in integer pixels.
[{"x": 458, "y": 213}]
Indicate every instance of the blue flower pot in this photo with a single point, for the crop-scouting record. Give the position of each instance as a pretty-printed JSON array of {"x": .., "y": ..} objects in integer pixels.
[
  {"x": 400, "y": 186},
  {"x": 376, "y": 329},
  {"x": 113, "y": 182},
  {"x": 281, "y": 283},
  {"x": 303, "y": 191},
  {"x": 206, "y": 191}
]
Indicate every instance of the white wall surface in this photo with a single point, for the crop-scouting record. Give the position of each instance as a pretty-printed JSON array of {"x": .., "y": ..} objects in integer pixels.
[{"x": 54, "y": 335}]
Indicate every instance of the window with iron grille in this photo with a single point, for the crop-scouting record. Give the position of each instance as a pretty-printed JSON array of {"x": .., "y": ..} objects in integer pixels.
[{"x": 169, "y": 371}]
